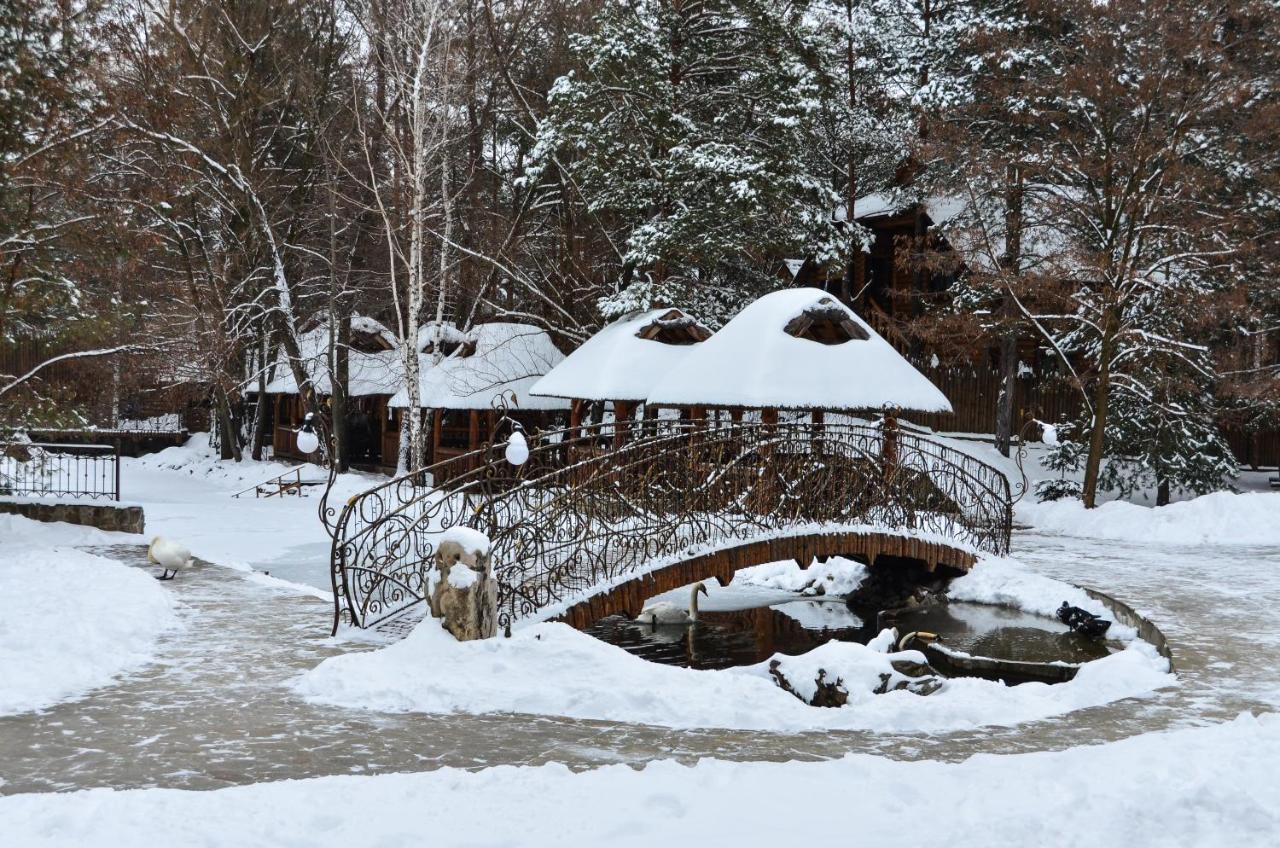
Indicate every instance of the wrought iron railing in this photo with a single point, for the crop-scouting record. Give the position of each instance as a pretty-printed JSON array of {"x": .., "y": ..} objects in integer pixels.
[
  {"x": 44, "y": 469},
  {"x": 593, "y": 507}
]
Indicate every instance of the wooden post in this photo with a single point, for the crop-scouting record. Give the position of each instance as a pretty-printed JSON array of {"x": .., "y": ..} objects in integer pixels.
[
  {"x": 575, "y": 416},
  {"x": 697, "y": 420},
  {"x": 622, "y": 411},
  {"x": 437, "y": 421},
  {"x": 889, "y": 444}
]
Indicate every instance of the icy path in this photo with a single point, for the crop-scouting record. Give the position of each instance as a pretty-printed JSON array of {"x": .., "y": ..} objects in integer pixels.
[{"x": 215, "y": 710}]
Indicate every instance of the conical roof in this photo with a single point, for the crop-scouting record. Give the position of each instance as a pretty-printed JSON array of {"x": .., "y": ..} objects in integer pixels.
[
  {"x": 625, "y": 359},
  {"x": 797, "y": 349}
]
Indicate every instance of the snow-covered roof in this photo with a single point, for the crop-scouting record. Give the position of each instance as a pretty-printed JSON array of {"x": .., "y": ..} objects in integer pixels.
[
  {"x": 370, "y": 373},
  {"x": 508, "y": 358},
  {"x": 621, "y": 362},
  {"x": 940, "y": 208},
  {"x": 835, "y": 361},
  {"x": 448, "y": 333},
  {"x": 975, "y": 227}
]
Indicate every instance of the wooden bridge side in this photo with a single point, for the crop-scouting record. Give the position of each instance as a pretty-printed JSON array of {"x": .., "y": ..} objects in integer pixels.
[{"x": 628, "y": 598}]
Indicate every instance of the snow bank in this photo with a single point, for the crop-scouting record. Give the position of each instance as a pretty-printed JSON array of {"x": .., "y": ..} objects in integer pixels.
[
  {"x": 75, "y": 621},
  {"x": 1219, "y": 518},
  {"x": 1205, "y": 786},
  {"x": 836, "y": 576},
  {"x": 553, "y": 669},
  {"x": 187, "y": 493}
]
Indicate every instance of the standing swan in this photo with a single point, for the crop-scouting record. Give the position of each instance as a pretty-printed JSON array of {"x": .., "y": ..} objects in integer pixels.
[
  {"x": 665, "y": 612},
  {"x": 170, "y": 556}
]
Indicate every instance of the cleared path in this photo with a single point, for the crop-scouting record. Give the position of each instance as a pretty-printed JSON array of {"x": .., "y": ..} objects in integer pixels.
[{"x": 215, "y": 709}]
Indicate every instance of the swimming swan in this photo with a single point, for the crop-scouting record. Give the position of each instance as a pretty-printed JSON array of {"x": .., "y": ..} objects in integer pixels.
[
  {"x": 170, "y": 556},
  {"x": 665, "y": 612}
]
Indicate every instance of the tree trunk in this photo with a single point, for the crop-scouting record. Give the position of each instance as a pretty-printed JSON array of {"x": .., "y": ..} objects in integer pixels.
[
  {"x": 1162, "y": 493},
  {"x": 1011, "y": 265},
  {"x": 1101, "y": 394},
  {"x": 1008, "y": 386},
  {"x": 341, "y": 382},
  {"x": 262, "y": 420},
  {"x": 228, "y": 441}
]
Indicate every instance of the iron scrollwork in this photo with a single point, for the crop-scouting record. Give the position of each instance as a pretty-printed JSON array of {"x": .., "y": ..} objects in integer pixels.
[{"x": 595, "y": 505}]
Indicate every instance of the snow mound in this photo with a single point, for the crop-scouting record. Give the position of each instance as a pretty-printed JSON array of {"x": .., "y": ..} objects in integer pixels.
[
  {"x": 82, "y": 620},
  {"x": 468, "y": 538},
  {"x": 836, "y": 576},
  {"x": 1220, "y": 518},
  {"x": 552, "y": 669},
  {"x": 860, "y": 668}
]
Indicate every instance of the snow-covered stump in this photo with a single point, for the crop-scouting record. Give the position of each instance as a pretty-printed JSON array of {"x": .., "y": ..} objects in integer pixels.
[{"x": 464, "y": 594}]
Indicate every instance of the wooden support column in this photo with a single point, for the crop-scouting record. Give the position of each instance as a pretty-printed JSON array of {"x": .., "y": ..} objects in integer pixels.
[
  {"x": 622, "y": 412},
  {"x": 437, "y": 422},
  {"x": 575, "y": 416},
  {"x": 697, "y": 421},
  {"x": 889, "y": 444}
]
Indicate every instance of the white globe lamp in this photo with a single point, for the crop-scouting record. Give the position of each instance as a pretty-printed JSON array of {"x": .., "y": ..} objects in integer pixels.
[
  {"x": 517, "y": 452},
  {"x": 307, "y": 440}
]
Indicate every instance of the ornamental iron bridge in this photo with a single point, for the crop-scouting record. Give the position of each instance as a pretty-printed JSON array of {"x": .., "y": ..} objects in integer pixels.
[{"x": 600, "y": 518}]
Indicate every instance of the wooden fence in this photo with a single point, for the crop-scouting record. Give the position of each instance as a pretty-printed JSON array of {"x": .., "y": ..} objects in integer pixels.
[{"x": 973, "y": 393}]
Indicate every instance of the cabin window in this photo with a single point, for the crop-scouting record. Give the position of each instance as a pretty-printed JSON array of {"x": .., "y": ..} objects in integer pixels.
[
  {"x": 455, "y": 428},
  {"x": 826, "y": 322},
  {"x": 673, "y": 327}
]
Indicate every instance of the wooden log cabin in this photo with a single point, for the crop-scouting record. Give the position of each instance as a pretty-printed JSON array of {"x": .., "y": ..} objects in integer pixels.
[
  {"x": 375, "y": 374},
  {"x": 459, "y": 395},
  {"x": 887, "y": 289}
]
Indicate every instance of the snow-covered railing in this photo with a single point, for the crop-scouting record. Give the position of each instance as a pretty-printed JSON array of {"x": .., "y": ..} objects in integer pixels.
[{"x": 595, "y": 505}]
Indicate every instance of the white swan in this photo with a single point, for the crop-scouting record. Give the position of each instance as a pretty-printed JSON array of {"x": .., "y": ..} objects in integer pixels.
[
  {"x": 170, "y": 556},
  {"x": 665, "y": 612}
]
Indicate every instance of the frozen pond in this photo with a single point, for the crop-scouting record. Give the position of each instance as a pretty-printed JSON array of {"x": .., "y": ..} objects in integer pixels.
[
  {"x": 727, "y": 638},
  {"x": 215, "y": 709}
]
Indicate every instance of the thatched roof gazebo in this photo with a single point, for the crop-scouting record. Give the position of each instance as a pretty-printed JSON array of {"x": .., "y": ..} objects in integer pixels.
[
  {"x": 801, "y": 350},
  {"x": 458, "y": 394},
  {"x": 620, "y": 364},
  {"x": 374, "y": 374}
]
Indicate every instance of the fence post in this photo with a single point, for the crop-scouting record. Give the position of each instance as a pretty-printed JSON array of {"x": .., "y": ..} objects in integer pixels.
[{"x": 117, "y": 458}]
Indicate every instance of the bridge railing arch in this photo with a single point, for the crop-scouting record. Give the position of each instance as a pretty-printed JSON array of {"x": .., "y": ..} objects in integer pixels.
[{"x": 587, "y": 511}]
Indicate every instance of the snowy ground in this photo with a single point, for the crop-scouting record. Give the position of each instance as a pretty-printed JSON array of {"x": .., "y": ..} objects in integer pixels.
[
  {"x": 188, "y": 496},
  {"x": 217, "y": 706},
  {"x": 73, "y": 621},
  {"x": 1196, "y": 788}
]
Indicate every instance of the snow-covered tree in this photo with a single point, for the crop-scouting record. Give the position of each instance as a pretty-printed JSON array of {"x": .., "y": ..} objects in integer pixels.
[
  {"x": 1141, "y": 106},
  {"x": 689, "y": 128}
]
